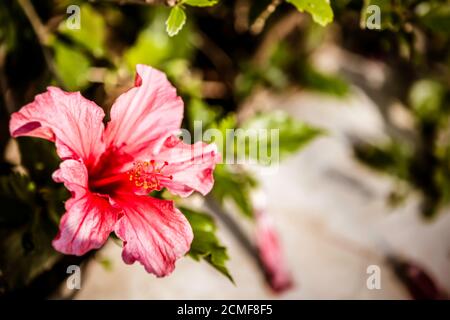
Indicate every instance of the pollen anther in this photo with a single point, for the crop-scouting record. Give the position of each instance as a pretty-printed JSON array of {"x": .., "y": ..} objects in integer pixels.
[{"x": 148, "y": 174}]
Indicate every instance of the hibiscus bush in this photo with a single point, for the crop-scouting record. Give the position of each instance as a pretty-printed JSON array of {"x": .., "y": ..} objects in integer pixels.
[{"x": 94, "y": 94}]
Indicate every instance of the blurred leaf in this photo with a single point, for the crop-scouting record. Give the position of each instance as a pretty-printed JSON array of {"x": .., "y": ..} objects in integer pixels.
[
  {"x": 73, "y": 66},
  {"x": 393, "y": 158},
  {"x": 106, "y": 263},
  {"x": 235, "y": 186},
  {"x": 323, "y": 82},
  {"x": 320, "y": 10},
  {"x": 205, "y": 244},
  {"x": 175, "y": 21},
  {"x": 436, "y": 16},
  {"x": 17, "y": 186},
  {"x": 8, "y": 28},
  {"x": 16, "y": 197},
  {"x": 26, "y": 223},
  {"x": 200, "y": 111},
  {"x": 292, "y": 134},
  {"x": 55, "y": 199},
  {"x": 25, "y": 245},
  {"x": 27, "y": 252},
  {"x": 426, "y": 97},
  {"x": 225, "y": 127},
  {"x": 91, "y": 34},
  {"x": 39, "y": 158},
  {"x": 186, "y": 82},
  {"x": 155, "y": 48},
  {"x": 200, "y": 3},
  {"x": 148, "y": 41}
]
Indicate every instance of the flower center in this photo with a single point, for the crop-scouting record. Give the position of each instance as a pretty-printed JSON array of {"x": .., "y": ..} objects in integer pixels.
[{"x": 148, "y": 174}]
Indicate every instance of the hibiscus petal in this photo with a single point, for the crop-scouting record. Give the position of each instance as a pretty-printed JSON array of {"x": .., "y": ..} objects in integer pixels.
[
  {"x": 89, "y": 218},
  {"x": 190, "y": 165},
  {"x": 154, "y": 232},
  {"x": 144, "y": 116},
  {"x": 68, "y": 119},
  {"x": 270, "y": 253}
]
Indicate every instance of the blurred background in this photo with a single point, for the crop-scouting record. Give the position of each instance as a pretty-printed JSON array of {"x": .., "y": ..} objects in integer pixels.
[{"x": 360, "y": 91}]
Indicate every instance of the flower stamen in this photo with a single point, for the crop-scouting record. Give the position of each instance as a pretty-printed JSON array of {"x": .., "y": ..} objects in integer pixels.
[{"x": 148, "y": 174}]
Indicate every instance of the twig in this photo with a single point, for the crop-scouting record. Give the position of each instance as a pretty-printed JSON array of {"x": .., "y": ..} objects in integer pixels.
[
  {"x": 43, "y": 35},
  {"x": 241, "y": 14},
  {"x": 237, "y": 232},
  {"x": 259, "y": 23},
  {"x": 38, "y": 27},
  {"x": 279, "y": 31}
]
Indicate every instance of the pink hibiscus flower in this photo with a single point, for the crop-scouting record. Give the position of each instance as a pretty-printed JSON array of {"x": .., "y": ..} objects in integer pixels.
[
  {"x": 271, "y": 255},
  {"x": 111, "y": 170}
]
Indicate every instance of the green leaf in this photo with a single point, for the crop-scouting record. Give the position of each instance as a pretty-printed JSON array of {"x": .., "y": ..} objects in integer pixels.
[
  {"x": 149, "y": 40},
  {"x": 26, "y": 233},
  {"x": 200, "y": 3},
  {"x": 73, "y": 66},
  {"x": 437, "y": 17},
  {"x": 393, "y": 158},
  {"x": 320, "y": 10},
  {"x": 426, "y": 98},
  {"x": 27, "y": 252},
  {"x": 205, "y": 244},
  {"x": 189, "y": 84},
  {"x": 17, "y": 186},
  {"x": 106, "y": 263},
  {"x": 199, "y": 111},
  {"x": 235, "y": 186},
  {"x": 326, "y": 83},
  {"x": 292, "y": 134},
  {"x": 223, "y": 140},
  {"x": 16, "y": 197},
  {"x": 155, "y": 48},
  {"x": 92, "y": 32},
  {"x": 176, "y": 20},
  {"x": 39, "y": 157},
  {"x": 55, "y": 199}
]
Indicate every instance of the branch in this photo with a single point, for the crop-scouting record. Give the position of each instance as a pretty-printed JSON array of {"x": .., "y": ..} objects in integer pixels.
[
  {"x": 260, "y": 22},
  {"x": 38, "y": 27},
  {"x": 236, "y": 231}
]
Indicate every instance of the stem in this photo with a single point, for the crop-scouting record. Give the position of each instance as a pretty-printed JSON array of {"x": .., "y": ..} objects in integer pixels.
[
  {"x": 38, "y": 27},
  {"x": 236, "y": 230},
  {"x": 259, "y": 23}
]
